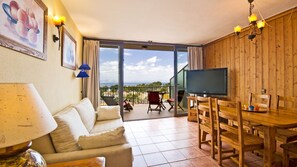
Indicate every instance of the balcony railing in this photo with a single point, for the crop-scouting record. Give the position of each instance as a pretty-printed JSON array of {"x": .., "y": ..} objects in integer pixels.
[{"x": 135, "y": 94}]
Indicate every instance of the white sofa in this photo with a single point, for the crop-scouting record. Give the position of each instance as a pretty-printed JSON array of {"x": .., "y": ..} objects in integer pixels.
[{"x": 84, "y": 133}]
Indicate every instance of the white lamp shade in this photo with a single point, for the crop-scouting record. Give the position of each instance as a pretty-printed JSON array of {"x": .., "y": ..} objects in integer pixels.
[{"x": 23, "y": 115}]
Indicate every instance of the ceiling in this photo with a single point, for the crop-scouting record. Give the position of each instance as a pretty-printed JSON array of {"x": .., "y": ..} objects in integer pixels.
[{"x": 167, "y": 21}]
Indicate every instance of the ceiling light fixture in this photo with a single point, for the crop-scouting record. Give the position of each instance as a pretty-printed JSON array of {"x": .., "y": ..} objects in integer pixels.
[{"x": 256, "y": 26}]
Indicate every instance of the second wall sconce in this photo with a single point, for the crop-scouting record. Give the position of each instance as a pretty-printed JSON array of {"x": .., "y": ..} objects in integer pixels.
[
  {"x": 59, "y": 21},
  {"x": 82, "y": 73}
]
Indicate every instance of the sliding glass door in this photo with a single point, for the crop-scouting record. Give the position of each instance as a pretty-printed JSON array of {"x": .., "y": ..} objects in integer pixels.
[{"x": 179, "y": 85}]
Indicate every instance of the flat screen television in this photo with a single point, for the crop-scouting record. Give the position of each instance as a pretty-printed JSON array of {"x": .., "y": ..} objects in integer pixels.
[{"x": 207, "y": 81}]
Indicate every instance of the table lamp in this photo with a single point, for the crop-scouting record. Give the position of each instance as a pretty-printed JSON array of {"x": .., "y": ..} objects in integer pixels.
[{"x": 23, "y": 117}]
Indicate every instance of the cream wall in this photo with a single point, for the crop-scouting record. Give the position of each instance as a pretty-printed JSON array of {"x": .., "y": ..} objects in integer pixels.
[{"x": 57, "y": 85}]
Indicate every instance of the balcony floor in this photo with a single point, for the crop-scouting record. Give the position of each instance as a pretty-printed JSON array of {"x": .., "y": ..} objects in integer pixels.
[{"x": 139, "y": 112}]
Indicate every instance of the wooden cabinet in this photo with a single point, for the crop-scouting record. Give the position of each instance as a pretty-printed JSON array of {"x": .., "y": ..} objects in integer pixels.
[{"x": 192, "y": 112}]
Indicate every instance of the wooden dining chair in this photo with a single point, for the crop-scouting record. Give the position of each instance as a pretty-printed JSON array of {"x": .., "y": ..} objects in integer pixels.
[
  {"x": 205, "y": 121},
  {"x": 260, "y": 100},
  {"x": 286, "y": 103},
  {"x": 286, "y": 135},
  {"x": 288, "y": 148},
  {"x": 235, "y": 136},
  {"x": 263, "y": 101}
]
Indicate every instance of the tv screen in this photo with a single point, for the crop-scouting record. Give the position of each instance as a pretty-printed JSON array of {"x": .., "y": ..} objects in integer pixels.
[{"x": 207, "y": 81}]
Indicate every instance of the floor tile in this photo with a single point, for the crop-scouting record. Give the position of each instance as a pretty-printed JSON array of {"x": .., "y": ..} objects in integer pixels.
[
  {"x": 205, "y": 161},
  {"x": 181, "y": 143},
  {"x": 164, "y": 165},
  {"x": 154, "y": 159},
  {"x": 139, "y": 161},
  {"x": 132, "y": 142},
  {"x": 143, "y": 141},
  {"x": 185, "y": 163},
  {"x": 159, "y": 139},
  {"x": 173, "y": 155},
  {"x": 191, "y": 152},
  {"x": 165, "y": 146},
  {"x": 136, "y": 150},
  {"x": 172, "y": 142},
  {"x": 150, "y": 148},
  {"x": 154, "y": 133},
  {"x": 140, "y": 135}
]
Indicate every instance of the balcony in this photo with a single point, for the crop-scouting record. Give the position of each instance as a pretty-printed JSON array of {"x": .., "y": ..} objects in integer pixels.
[{"x": 137, "y": 96}]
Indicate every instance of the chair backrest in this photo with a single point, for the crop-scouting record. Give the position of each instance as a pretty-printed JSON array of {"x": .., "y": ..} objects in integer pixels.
[
  {"x": 109, "y": 100},
  {"x": 284, "y": 102},
  {"x": 262, "y": 101},
  {"x": 204, "y": 111},
  {"x": 180, "y": 95},
  {"x": 222, "y": 106},
  {"x": 153, "y": 97}
]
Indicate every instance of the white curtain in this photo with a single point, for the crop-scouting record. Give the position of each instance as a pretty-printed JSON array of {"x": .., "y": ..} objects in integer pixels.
[
  {"x": 195, "y": 58},
  {"x": 91, "y": 84}
]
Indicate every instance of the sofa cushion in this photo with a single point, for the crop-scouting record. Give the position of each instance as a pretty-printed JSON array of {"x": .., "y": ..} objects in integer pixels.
[
  {"x": 108, "y": 112},
  {"x": 87, "y": 113},
  {"x": 103, "y": 139},
  {"x": 101, "y": 126},
  {"x": 70, "y": 127}
]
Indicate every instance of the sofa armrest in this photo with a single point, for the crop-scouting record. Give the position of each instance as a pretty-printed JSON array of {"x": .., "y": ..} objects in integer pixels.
[{"x": 116, "y": 156}]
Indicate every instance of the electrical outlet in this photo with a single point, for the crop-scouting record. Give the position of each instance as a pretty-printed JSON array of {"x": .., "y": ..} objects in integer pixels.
[{"x": 263, "y": 91}]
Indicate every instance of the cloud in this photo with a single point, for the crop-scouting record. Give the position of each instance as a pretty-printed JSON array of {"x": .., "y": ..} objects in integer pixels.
[
  {"x": 152, "y": 60},
  {"x": 109, "y": 71}
]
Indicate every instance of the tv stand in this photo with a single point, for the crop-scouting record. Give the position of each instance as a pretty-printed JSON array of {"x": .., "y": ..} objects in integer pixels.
[{"x": 192, "y": 109}]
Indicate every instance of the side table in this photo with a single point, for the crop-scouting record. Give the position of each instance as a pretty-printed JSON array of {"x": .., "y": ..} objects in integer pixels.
[{"x": 90, "y": 162}]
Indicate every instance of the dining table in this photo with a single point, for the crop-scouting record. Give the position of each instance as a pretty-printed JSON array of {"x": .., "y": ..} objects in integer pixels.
[{"x": 271, "y": 120}]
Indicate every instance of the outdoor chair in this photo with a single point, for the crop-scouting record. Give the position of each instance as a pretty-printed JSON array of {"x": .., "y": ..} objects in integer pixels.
[
  {"x": 154, "y": 99},
  {"x": 180, "y": 95},
  {"x": 110, "y": 101}
]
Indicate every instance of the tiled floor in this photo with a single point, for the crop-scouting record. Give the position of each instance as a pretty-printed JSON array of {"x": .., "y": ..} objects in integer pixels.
[{"x": 172, "y": 142}]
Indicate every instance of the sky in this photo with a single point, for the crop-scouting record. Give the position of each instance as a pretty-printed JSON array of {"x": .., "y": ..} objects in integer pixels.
[{"x": 140, "y": 66}]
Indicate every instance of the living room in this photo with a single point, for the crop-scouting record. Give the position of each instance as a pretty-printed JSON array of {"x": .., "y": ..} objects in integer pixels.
[{"x": 266, "y": 64}]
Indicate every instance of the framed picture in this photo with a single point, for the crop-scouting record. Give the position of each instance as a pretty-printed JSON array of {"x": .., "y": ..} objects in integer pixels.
[
  {"x": 23, "y": 27},
  {"x": 68, "y": 50}
]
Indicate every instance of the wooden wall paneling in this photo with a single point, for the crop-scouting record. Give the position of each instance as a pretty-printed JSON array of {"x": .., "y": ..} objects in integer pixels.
[
  {"x": 207, "y": 52},
  {"x": 272, "y": 60},
  {"x": 288, "y": 85},
  {"x": 265, "y": 55},
  {"x": 247, "y": 69},
  {"x": 237, "y": 67},
  {"x": 258, "y": 64},
  {"x": 269, "y": 62},
  {"x": 241, "y": 69},
  {"x": 218, "y": 55},
  {"x": 294, "y": 49},
  {"x": 230, "y": 65},
  {"x": 223, "y": 45},
  {"x": 280, "y": 57},
  {"x": 253, "y": 66}
]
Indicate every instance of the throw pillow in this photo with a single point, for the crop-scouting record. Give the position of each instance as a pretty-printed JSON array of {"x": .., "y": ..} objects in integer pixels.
[
  {"x": 70, "y": 127},
  {"x": 103, "y": 139},
  {"x": 87, "y": 113},
  {"x": 108, "y": 112}
]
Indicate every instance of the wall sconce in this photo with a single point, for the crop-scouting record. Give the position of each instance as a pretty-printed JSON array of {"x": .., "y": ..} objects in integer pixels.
[
  {"x": 59, "y": 21},
  {"x": 82, "y": 73},
  {"x": 256, "y": 27}
]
